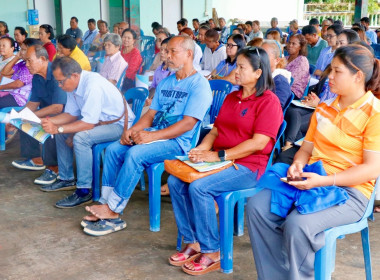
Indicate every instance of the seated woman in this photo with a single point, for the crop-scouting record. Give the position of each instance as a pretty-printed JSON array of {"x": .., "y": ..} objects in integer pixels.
[
  {"x": 132, "y": 56},
  {"x": 281, "y": 77},
  {"x": 245, "y": 132},
  {"x": 298, "y": 118},
  {"x": 46, "y": 34},
  {"x": 16, "y": 93},
  {"x": 114, "y": 63},
  {"x": 226, "y": 69},
  {"x": 7, "y": 47},
  {"x": 327, "y": 53},
  {"x": 274, "y": 35},
  {"x": 344, "y": 137},
  {"x": 161, "y": 36},
  {"x": 67, "y": 46},
  {"x": 4, "y": 31},
  {"x": 294, "y": 29},
  {"x": 298, "y": 64},
  {"x": 241, "y": 28},
  {"x": 20, "y": 35},
  {"x": 97, "y": 43},
  {"x": 348, "y": 36}
]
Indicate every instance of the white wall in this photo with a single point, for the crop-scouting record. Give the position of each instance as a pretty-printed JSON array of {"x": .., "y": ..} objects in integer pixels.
[
  {"x": 105, "y": 12},
  {"x": 263, "y": 11},
  {"x": 46, "y": 12}
]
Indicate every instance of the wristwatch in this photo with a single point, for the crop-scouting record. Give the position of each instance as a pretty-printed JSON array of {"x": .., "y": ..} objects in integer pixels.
[
  {"x": 60, "y": 129},
  {"x": 222, "y": 155}
]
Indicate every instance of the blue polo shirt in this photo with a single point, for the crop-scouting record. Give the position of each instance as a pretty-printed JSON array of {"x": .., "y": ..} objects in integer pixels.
[{"x": 47, "y": 92}]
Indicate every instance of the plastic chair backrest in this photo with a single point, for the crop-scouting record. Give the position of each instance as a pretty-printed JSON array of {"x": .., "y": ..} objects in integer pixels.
[
  {"x": 279, "y": 134},
  {"x": 312, "y": 69},
  {"x": 306, "y": 92},
  {"x": 85, "y": 48},
  {"x": 376, "y": 49},
  {"x": 220, "y": 89},
  {"x": 287, "y": 104},
  {"x": 291, "y": 81},
  {"x": 121, "y": 79},
  {"x": 368, "y": 212},
  {"x": 137, "y": 97}
]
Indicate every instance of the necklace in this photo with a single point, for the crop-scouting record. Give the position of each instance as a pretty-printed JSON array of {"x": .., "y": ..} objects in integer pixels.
[{"x": 191, "y": 72}]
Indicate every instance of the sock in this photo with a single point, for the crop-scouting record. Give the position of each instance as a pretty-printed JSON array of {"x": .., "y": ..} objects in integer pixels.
[{"x": 82, "y": 192}]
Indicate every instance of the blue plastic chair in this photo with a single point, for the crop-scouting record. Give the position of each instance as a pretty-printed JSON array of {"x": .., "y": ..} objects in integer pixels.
[
  {"x": 291, "y": 81},
  {"x": 312, "y": 69},
  {"x": 324, "y": 263},
  {"x": 121, "y": 79},
  {"x": 154, "y": 174},
  {"x": 2, "y": 126},
  {"x": 147, "y": 45},
  {"x": 288, "y": 102},
  {"x": 137, "y": 97},
  {"x": 227, "y": 203},
  {"x": 220, "y": 89},
  {"x": 376, "y": 49}
]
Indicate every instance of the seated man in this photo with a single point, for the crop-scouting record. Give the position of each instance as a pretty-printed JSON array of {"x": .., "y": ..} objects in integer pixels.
[
  {"x": 47, "y": 99},
  {"x": 66, "y": 46},
  {"x": 180, "y": 103},
  {"x": 90, "y": 34},
  {"x": 214, "y": 53},
  {"x": 95, "y": 113},
  {"x": 273, "y": 23},
  {"x": 315, "y": 44}
]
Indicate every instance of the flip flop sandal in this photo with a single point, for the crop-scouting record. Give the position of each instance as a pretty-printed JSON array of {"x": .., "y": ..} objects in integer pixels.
[
  {"x": 184, "y": 256},
  {"x": 104, "y": 227},
  {"x": 202, "y": 265}
]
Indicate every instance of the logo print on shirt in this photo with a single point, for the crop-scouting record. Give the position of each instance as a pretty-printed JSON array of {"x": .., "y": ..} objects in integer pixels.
[{"x": 243, "y": 112}]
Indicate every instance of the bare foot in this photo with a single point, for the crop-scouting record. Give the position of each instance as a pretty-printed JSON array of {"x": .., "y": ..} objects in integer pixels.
[
  {"x": 214, "y": 256},
  {"x": 102, "y": 211},
  {"x": 165, "y": 190},
  {"x": 194, "y": 246},
  {"x": 91, "y": 218},
  {"x": 376, "y": 209}
]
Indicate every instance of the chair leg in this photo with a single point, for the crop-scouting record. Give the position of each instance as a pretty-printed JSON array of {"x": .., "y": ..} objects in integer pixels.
[
  {"x": 142, "y": 182},
  {"x": 323, "y": 261},
  {"x": 226, "y": 220},
  {"x": 239, "y": 219},
  {"x": 366, "y": 253},
  {"x": 154, "y": 173},
  {"x": 333, "y": 257},
  {"x": 2, "y": 137}
]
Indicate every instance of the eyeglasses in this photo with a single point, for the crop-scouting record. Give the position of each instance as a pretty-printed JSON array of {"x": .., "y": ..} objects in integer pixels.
[
  {"x": 60, "y": 83},
  {"x": 230, "y": 46},
  {"x": 329, "y": 36}
]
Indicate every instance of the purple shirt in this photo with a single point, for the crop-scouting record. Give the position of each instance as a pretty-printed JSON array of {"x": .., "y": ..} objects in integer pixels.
[
  {"x": 159, "y": 75},
  {"x": 299, "y": 68},
  {"x": 21, "y": 95}
]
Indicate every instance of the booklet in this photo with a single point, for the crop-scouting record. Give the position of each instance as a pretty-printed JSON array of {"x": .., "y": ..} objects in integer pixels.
[
  {"x": 29, "y": 123},
  {"x": 5, "y": 81},
  {"x": 203, "y": 166},
  {"x": 298, "y": 103}
]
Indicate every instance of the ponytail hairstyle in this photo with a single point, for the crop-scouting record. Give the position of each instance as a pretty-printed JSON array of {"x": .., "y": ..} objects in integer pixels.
[{"x": 358, "y": 58}]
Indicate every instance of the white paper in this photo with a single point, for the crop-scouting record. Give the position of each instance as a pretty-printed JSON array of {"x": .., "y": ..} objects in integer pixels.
[
  {"x": 5, "y": 81},
  {"x": 25, "y": 114},
  {"x": 300, "y": 104}
]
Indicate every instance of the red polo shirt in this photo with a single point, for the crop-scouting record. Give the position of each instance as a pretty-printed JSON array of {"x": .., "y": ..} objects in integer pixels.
[{"x": 239, "y": 119}]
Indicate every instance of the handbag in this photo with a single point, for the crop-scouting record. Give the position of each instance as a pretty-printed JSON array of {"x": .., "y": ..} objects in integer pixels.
[{"x": 188, "y": 174}]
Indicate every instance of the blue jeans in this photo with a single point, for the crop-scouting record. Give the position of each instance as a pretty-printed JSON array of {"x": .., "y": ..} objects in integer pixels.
[
  {"x": 83, "y": 142},
  {"x": 194, "y": 208},
  {"x": 124, "y": 165}
]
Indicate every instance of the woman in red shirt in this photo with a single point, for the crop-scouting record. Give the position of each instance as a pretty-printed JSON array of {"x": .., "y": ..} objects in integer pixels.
[
  {"x": 46, "y": 34},
  {"x": 244, "y": 132},
  {"x": 132, "y": 56}
]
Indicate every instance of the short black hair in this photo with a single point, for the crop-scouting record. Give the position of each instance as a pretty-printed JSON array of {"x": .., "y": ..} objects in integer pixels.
[
  {"x": 365, "y": 19},
  {"x": 212, "y": 33},
  {"x": 165, "y": 41},
  {"x": 10, "y": 39},
  {"x": 67, "y": 42},
  {"x": 337, "y": 28},
  {"x": 48, "y": 29},
  {"x": 154, "y": 24},
  {"x": 32, "y": 42},
  {"x": 313, "y": 21},
  {"x": 22, "y": 30},
  {"x": 258, "y": 58},
  {"x": 67, "y": 65},
  {"x": 91, "y": 20},
  {"x": 309, "y": 29},
  {"x": 249, "y": 22},
  {"x": 75, "y": 18},
  {"x": 185, "y": 20},
  {"x": 181, "y": 22},
  {"x": 196, "y": 20}
]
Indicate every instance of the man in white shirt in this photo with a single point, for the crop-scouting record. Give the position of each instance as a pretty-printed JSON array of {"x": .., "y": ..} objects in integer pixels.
[{"x": 214, "y": 52}]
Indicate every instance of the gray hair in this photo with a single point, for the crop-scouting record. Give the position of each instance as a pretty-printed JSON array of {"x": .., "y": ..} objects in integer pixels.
[
  {"x": 114, "y": 38},
  {"x": 274, "y": 19},
  {"x": 40, "y": 51},
  {"x": 67, "y": 65},
  {"x": 187, "y": 43},
  {"x": 275, "y": 47}
]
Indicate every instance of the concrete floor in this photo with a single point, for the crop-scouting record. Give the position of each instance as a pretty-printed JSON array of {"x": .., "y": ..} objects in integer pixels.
[{"x": 39, "y": 241}]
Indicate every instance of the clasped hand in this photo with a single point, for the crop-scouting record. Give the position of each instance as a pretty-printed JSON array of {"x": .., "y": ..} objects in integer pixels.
[
  {"x": 197, "y": 155},
  {"x": 49, "y": 126},
  {"x": 130, "y": 137}
]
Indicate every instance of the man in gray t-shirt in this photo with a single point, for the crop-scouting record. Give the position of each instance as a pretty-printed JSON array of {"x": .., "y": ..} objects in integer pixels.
[{"x": 74, "y": 30}]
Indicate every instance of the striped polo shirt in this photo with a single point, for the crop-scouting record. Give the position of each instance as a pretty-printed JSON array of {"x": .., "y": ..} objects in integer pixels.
[{"x": 340, "y": 136}]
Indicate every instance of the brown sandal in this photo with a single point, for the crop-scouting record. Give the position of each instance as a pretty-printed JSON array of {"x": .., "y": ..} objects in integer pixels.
[
  {"x": 202, "y": 265},
  {"x": 185, "y": 255}
]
